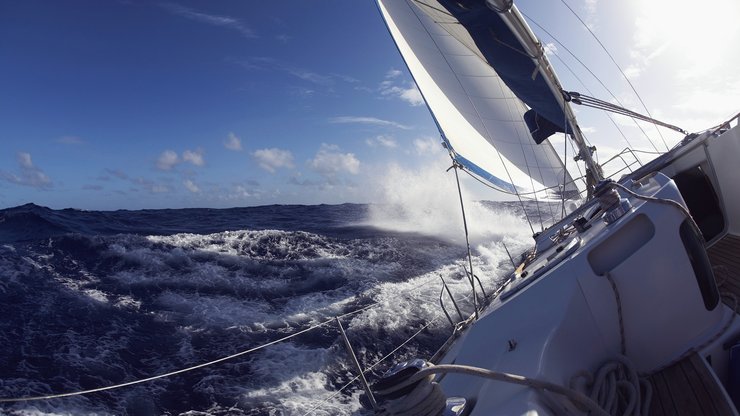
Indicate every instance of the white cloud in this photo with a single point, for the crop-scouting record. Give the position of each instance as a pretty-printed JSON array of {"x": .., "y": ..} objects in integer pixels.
[
  {"x": 233, "y": 143},
  {"x": 329, "y": 161},
  {"x": 30, "y": 175},
  {"x": 311, "y": 77},
  {"x": 412, "y": 96},
  {"x": 367, "y": 120},
  {"x": 394, "y": 87},
  {"x": 194, "y": 157},
  {"x": 211, "y": 19},
  {"x": 550, "y": 49},
  {"x": 159, "y": 189},
  {"x": 408, "y": 93},
  {"x": 167, "y": 160},
  {"x": 633, "y": 71},
  {"x": 393, "y": 73},
  {"x": 242, "y": 192},
  {"x": 425, "y": 145},
  {"x": 588, "y": 130},
  {"x": 273, "y": 159},
  {"x": 382, "y": 141},
  {"x": 191, "y": 186},
  {"x": 591, "y": 17}
]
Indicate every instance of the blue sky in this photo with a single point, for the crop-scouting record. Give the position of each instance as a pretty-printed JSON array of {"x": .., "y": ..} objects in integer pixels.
[{"x": 129, "y": 104}]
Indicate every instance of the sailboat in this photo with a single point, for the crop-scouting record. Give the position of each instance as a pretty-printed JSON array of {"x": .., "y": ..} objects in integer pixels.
[{"x": 627, "y": 303}]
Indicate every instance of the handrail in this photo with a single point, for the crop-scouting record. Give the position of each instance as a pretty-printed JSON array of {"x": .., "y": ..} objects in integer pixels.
[{"x": 445, "y": 287}]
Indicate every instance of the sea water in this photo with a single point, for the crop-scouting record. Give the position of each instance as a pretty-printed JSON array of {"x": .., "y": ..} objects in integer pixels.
[{"x": 91, "y": 299}]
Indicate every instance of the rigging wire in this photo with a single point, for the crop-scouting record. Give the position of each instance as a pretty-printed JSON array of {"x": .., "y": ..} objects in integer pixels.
[
  {"x": 617, "y": 65},
  {"x": 595, "y": 77},
  {"x": 585, "y": 100},
  {"x": 565, "y": 168},
  {"x": 467, "y": 242}
]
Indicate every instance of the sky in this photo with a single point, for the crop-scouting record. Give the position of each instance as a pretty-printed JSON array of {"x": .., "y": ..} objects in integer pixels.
[{"x": 110, "y": 105}]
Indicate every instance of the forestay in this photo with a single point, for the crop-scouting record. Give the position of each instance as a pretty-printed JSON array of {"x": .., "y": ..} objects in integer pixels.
[{"x": 480, "y": 118}]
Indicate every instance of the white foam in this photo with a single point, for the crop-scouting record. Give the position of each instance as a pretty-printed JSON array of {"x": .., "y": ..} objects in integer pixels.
[
  {"x": 295, "y": 376},
  {"x": 426, "y": 201}
]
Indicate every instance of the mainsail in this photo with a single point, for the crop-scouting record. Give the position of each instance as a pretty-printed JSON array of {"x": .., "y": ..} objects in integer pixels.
[{"x": 481, "y": 119}]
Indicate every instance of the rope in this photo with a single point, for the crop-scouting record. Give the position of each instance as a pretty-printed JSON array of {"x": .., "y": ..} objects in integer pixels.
[
  {"x": 184, "y": 370},
  {"x": 618, "y": 298},
  {"x": 617, "y": 388},
  {"x": 574, "y": 395},
  {"x": 670, "y": 202}
]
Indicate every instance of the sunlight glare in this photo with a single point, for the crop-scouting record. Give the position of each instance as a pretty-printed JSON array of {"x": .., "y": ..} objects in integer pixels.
[{"x": 685, "y": 29}]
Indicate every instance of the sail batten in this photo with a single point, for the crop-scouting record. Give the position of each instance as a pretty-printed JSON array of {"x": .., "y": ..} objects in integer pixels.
[{"x": 480, "y": 117}]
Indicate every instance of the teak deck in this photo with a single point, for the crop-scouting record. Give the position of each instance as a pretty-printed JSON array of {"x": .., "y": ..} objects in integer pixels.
[
  {"x": 725, "y": 258},
  {"x": 687, "y": 388}
]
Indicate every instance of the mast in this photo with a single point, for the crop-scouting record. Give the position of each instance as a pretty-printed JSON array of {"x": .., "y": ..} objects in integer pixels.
[{"x": 515, "y": 21}]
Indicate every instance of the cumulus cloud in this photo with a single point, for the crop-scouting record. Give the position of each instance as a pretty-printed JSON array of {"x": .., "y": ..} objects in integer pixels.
[
  {"x": 410, "y": 94},
  {"x": 167, "y": 160},
  {"x": 191, "y": 186},
  {"x": 392, "y": 86},
  {"x": 28, "y": 174},
  {"x": 194, "y": 157},
  {"x": 367, "y": 120},
  {"x": 273, "y": 159},
  {"x": 425, "y": 145},
  {"x": 329, "y": 161},
  {"x": 210, "y": 19},
  {"x": 382, "y": 141},
  {"x": 393, "y": 73},
  {"x": 233, "y": 143}
]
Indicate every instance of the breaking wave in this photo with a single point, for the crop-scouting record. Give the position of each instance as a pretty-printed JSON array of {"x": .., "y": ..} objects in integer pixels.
[{"x": 93, "y": 299}]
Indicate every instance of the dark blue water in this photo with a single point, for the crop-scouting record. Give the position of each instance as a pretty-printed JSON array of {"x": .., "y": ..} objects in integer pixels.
[{"x": 90, "y": 299}]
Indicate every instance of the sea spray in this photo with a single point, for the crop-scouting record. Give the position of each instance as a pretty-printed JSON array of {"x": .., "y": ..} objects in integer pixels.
[
  {"x": 425, "y": 200},
  {"x": 88, "y": 309}
]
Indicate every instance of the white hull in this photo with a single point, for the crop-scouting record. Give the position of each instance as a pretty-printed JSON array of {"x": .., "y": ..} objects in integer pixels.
[{"x": 559, "y": 316}]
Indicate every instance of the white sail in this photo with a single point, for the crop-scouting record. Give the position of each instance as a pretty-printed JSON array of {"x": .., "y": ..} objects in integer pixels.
[{"x": 480, "y": 118}]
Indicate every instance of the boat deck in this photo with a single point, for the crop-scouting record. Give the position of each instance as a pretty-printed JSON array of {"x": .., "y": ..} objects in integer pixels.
[
  {"x": 725, "y": 258},
  {"x": 688, "y": 388}
]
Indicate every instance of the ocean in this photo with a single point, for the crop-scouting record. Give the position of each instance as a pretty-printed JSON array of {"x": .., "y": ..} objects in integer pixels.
[{"x": 91, "y": 299}]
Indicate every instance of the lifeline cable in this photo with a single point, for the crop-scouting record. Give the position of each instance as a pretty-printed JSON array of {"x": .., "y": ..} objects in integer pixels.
[
  {"x": 310, "y": 411},
  {"x": 172, "y": 373}
]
